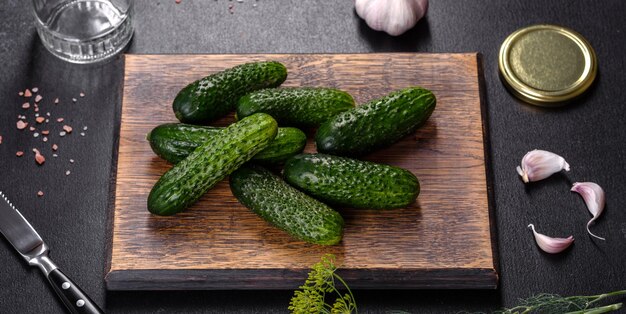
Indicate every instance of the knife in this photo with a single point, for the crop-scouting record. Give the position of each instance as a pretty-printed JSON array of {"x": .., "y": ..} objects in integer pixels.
[{"x": 32, "y": 248}]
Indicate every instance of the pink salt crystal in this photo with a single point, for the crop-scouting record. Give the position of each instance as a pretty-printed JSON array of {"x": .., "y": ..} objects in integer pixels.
[{"x": 39, "y": 158}]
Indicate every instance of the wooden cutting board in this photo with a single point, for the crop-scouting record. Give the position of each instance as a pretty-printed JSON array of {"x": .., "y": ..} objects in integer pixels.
[{"x": 444, "y": 240}]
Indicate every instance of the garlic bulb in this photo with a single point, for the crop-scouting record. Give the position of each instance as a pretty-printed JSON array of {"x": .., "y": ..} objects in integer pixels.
[{"x": 391, "y": 16}]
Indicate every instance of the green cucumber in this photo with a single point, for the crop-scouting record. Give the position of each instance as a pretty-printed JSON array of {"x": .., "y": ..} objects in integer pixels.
[
  {"x": 175, "y": 141},
  {"x": 350, "y": 182},
  {"x": 285, "y": 207},
  {"x": 288, "y": 142},
  {"x": 211, "y": 162},
  {"x": 304, "y": 106},
  {"x": 214, "y": 96},
  {"x": 376, "y": 124}
]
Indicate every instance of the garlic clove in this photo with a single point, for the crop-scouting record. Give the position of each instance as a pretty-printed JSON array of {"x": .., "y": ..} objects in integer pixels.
[
  {"x": 593, "y": 195},
  {"x": 540, "y": 164},
  {"x": 549, "y": 244},
  {"x": 393, "y": 17}
]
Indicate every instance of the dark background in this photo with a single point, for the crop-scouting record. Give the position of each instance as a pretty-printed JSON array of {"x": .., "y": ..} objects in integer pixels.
[{"x": 73, "y": 215}]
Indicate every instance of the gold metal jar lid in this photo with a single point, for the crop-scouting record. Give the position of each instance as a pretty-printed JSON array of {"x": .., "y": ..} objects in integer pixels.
[{"x": 547, "y": 65}]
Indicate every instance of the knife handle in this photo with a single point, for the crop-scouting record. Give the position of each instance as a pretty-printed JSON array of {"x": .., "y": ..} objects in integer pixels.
[{"x": 76, "y": 301}]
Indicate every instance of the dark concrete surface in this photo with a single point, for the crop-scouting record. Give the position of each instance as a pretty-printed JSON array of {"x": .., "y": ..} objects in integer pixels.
[{"x": 73, "y": 215}]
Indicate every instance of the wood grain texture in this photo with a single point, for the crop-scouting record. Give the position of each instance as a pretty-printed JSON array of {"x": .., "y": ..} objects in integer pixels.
[{"x": 441, "y": 241}]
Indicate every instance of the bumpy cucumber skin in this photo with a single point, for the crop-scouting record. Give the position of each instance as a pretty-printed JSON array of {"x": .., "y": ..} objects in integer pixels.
[
  {"x": 285, "y": 207},
  {"x": 188, "y": 180},
  {"x": 350, "y": 182},
  {"x": 376, "y": 124},
  {"x": 288, "y": 143},
  {"x": 212, "y": 97},
  {"x": 303, "y": 106},
  {"x": 175, "y": 141}
]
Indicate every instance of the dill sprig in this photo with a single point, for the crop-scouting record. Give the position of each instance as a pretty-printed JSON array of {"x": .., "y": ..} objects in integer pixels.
[
  {"x": 320, "y": 286},
  {"x": 556, "y": 304}
]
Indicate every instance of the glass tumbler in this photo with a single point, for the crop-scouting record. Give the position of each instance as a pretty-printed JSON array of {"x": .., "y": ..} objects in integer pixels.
[{"x": 84, "y": 31}]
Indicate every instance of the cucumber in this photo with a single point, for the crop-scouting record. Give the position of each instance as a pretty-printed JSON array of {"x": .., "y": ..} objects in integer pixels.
[
  {"x": 376, "y": 124},
  {"x": 212, "y": 97},
  {"x": 305, "y": 106},
  {"x": 211, "y": 162},
  {"x": 175, "y": 141},
  {"x": 285, "y": 207},
  {"x": 350, "y": 182},
  {"x": 288, "y": 142}
]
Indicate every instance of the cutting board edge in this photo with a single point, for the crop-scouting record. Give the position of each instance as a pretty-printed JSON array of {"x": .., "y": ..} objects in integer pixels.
[
  {"x": 487, "y": 158},
  {"x": 278, "y": 279},
  {"x": 469, "y": 53},
  {"x": 112, "y": 188}
]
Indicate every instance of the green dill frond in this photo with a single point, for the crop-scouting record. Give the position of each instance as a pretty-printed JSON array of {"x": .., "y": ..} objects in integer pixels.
[
  {"x": 547, "y": 303},
  {"x": 555, "y": 304},
  {"x": 344, "y": 305},
  {"x": 311, "y": 296}
]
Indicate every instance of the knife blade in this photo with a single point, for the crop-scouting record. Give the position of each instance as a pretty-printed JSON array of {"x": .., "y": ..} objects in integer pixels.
[{"x": 26, "y": 241}]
